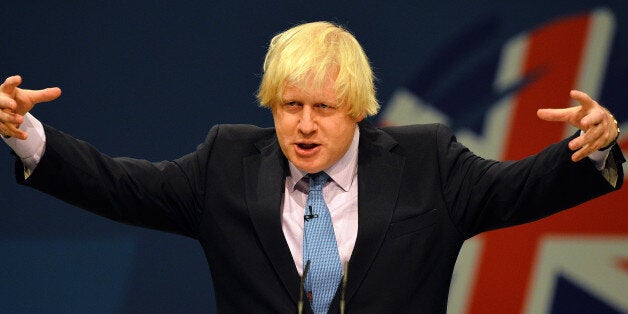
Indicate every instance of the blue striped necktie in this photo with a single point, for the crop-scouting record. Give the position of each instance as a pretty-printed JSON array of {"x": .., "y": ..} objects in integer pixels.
[{"x": 320, "y": 248}]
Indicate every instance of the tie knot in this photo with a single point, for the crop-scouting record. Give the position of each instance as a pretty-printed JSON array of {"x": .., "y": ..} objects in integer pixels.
[{"x": 317, "y": 180}]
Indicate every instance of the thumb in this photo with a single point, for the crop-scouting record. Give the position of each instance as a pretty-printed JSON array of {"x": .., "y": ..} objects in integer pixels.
[{"x": 583, "y": 99}]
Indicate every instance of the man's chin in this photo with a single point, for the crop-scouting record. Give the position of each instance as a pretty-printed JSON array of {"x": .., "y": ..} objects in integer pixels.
[{"x": 308, "y": 167}]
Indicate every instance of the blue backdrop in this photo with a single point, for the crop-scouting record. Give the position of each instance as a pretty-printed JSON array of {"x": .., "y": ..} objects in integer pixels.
[{"x": 147, "y": 79}]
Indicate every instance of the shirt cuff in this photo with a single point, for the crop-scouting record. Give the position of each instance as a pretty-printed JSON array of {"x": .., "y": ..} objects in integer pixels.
[
  {"x": 32, "y": 149},
  {"x": 599, "y": 158}
]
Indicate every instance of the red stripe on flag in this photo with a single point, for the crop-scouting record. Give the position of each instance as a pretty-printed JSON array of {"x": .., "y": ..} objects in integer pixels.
[{"x": 506, "y": 263}]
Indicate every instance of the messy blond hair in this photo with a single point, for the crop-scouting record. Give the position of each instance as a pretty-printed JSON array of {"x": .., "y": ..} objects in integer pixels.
[{"x": 309, "y": 54}]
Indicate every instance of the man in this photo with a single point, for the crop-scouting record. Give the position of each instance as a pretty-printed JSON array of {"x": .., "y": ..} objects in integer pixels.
[{"x": 401, "y": 200}]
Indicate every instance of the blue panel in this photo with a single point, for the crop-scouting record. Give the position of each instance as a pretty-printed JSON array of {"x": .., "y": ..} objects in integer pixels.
[
  {"x": 569, "y": 298},
  {"x": 65, "y": 275}
]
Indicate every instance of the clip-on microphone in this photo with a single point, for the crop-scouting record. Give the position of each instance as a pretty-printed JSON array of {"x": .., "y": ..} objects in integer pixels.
[{"x": 310, "y": 216}]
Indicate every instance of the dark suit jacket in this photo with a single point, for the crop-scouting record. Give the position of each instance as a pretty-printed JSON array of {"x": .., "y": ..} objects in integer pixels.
[{"x": 421, "y": 194}]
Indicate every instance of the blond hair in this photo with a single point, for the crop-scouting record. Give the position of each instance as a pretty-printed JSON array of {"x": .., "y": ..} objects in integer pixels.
[{"x": 309, "y": 54}]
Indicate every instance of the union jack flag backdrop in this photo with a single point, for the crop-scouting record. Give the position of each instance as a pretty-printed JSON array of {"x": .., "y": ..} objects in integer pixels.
[{"x": 573, "y": 262}]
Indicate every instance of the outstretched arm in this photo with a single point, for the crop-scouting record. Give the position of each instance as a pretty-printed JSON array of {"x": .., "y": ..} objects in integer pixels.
[
  {"x": 597, "y": 123},
  {"x": 15, "y": 102}
]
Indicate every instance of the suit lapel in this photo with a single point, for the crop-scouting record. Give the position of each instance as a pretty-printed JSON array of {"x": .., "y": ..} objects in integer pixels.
[
  {"x": 379, "y": 177},
  {"x": 264, "y": 184}
]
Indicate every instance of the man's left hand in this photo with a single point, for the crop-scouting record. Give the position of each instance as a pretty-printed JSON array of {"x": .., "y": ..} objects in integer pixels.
[{"x": 597, "y": 123}]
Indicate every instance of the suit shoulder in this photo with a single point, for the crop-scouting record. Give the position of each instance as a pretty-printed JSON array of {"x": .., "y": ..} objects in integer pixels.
[{"x": 431, "y": 130}]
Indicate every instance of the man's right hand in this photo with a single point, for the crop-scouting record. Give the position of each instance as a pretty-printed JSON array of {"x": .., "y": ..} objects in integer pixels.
[{"x": 16, "y": 102}]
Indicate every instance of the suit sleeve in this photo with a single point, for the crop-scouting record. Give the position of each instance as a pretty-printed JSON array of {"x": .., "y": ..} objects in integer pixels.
[
  {"x": 166, "y": 195},
  {"x": 482, "y": 195}
]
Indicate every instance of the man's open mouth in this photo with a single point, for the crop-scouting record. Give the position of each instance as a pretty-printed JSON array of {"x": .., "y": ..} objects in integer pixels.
[{"x": 307, "y": 146}]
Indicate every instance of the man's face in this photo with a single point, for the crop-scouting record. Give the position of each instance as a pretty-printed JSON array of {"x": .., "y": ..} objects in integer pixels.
[{"x": 313, "y": 131}]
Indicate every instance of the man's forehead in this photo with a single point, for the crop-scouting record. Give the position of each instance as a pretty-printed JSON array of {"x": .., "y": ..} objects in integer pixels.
[{"x": 303, "y": 89}]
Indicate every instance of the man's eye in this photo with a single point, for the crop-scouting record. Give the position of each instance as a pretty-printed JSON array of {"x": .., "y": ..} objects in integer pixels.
[
  {"x": 291, "y": 105},
  {"x": 325, "y": 107}
]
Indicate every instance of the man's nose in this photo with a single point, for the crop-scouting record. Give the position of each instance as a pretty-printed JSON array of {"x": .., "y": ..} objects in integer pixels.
[{"x": 307, "y": 121}]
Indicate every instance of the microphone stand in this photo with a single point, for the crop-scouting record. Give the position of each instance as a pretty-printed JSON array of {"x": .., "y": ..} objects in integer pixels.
[
  {"x": 302, "y": 287},
  {"x": 344, "y": 286}
]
